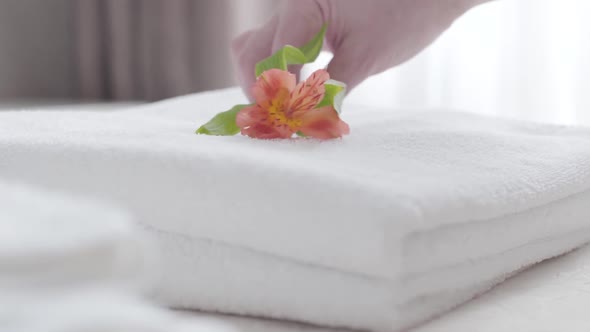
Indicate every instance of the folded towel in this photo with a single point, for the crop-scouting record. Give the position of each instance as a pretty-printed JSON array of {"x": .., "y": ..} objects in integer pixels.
[
  {"x": 70, "y": 264},
  {"x": 208, "y": 275},
  {"x": 86, "y": 310},
  {"x": 406, "y": 211},
  {"x": 49, "y": 239}
]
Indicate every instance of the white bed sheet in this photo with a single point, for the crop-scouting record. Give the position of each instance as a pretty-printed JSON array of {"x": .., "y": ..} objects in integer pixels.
[{"x": 552, "y": 296}]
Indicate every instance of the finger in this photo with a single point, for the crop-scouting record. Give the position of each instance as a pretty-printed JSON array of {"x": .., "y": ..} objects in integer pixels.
[
  {"x": 248, "y": 49},
  {"x": 299, "y": 22},
  {"x": 349, "y": 65}
]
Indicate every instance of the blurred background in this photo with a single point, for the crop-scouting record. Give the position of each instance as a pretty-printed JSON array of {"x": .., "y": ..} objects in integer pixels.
[{"x": 527, "y": 59}]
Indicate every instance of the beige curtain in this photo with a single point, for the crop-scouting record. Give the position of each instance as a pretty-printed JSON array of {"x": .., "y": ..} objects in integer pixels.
[
  {"x": 155, "y": 49},
  {"x": 35, "y": 50}
]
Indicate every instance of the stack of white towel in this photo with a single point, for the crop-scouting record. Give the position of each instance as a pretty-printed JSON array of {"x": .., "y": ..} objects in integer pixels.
[{"x": 409, "y": 216}]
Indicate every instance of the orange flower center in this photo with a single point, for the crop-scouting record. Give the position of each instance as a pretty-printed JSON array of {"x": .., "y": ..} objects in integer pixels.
[{"x": 280, "y": 115}]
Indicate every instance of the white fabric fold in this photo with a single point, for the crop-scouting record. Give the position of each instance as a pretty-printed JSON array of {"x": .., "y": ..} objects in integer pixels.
[
  {"x": 49, "y": 239},
  {"x": 421, "y": 202},
  {"x": 72, "y": 264},
  {"x": 205, "y": 275},
  {"x": 86, "y": 310}
]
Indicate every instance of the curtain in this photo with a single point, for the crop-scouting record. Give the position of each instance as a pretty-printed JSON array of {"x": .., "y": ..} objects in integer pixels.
[
  {"x": 524, "y": 59},
  {"x": 155, "y": 49},
  {"x": 35, "y": 54}
]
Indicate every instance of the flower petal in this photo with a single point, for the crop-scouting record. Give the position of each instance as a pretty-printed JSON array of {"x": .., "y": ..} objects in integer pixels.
[
  {"x": 310, "y": 92},
  {"x": 323, "y": 123},
  {"x": 251, "y": 115},
  {"x": 254, "y": 122},
  {"x": 272, "y": 83},
  {"x": 262, "y": 131}
]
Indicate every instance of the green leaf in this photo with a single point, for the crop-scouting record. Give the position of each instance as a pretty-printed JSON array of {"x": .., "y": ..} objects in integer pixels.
[
  {"x": 312, "y": 49},
  {"x": 223, "y": 124},
  {"x": 335, "y": 92},
  {"x": 290, "y": 55},
  {"x": 284, "y": 57}
]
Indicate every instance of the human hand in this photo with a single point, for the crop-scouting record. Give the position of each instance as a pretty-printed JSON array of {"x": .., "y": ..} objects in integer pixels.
[{"x": 366, "y": 37}]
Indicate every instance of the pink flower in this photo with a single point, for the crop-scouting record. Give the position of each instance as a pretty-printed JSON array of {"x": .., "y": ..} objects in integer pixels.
[{"x": 284, "y": 108}]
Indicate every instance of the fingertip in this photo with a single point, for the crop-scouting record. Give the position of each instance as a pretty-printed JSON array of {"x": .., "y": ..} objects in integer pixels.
[
  {"x": 250, "y": 48},
  {"x": 349, "y": 67},
  {"x": 241, "y": 65},
  {"x": 340, "y": 71},
  {"x": 238, "y": 43}
]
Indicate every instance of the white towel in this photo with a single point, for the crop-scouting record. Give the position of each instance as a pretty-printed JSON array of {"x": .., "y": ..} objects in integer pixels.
[
  {"x": 408, "y": 207},
  {"x": 87, "y": 310},
  {"x": 201, "y": 274},
  {"x": 70, "y": 264},
  {"x": 48, "y": 239}
]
